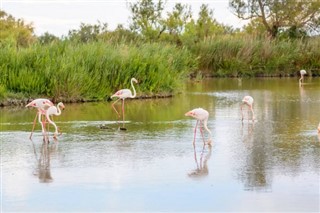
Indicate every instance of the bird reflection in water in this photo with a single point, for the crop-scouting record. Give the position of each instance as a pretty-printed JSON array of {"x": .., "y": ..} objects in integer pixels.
[
  {"x": 43, "y": 170},
  {"x": 201, "y": 163}
]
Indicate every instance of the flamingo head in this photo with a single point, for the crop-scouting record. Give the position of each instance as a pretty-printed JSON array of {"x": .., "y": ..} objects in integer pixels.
[
  {"x": 135, "y": 80},
  {"x": 190, "y": 113},
  {"x": 61, "y": 105},
  {"x": 32, "y": 104}
]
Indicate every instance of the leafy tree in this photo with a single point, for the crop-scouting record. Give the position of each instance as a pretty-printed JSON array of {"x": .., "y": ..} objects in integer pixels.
[
  {"x": 47, "y": 38},
  {"x": 146, "y": 18},
  {"x": 280, "y": 15},
  {"x": 88, "y": 32},
  {"x": 120, "y": 34},
  {"x": 176, "y": 21},
  {"x": 206, "y": 26},
  {"x": 15, "y": 31}
]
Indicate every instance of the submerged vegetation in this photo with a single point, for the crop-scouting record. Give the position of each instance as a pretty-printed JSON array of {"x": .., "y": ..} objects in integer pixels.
[{"x": 161, "y": 52}]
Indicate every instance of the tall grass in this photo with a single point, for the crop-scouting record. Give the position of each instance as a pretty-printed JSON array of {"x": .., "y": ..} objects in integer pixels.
[
  {"x": 93, "y": 71},
  {"x": 247, "y": 56}
]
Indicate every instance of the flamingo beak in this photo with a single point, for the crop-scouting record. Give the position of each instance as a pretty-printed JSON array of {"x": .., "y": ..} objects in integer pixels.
[{"x": 189, "y": 113}]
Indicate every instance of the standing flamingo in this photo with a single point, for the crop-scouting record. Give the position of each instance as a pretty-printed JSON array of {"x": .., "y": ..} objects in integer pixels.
[
  {"x": 302, "y": 73},
  {"x": 247, "y": 100},
  {"x": 54, "y": 110},
  {"x": 42, "y": 105},
  {"x": 201, "y": 116},
  {"x": 319, "y": 128},
  {"x": 123, "y": 94}
]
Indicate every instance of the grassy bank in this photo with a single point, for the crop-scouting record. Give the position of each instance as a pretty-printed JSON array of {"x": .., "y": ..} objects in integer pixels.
[
  {"x": 74, "y": 72},
  {"x": 231, "y": 56},
  {"x": 91, "y": 72}
]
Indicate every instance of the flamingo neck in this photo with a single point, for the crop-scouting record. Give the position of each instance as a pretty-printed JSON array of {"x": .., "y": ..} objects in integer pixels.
[
  {"x": 51, "y": 122},
  {"x": 58, "y": 109},
  {"x": 206, "y": 127},
  {"x": 134, "y": 90}
]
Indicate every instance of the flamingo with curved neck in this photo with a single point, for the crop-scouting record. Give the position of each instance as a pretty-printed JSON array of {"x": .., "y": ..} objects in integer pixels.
[
  {"x": 122, "y": 95},
  {"x": 201, "y": 115},
  {"x": 54, "y": 110},
  {"x": 42, "y": 105}
]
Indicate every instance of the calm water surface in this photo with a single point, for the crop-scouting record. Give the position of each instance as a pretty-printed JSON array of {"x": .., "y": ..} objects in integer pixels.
[{"x": 272, "y": 164}]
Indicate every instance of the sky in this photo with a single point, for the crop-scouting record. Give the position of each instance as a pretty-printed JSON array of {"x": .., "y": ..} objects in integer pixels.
[{"x": 59, "y": 16}]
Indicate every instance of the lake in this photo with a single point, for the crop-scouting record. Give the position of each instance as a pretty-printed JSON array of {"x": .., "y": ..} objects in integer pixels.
[{"x": 270, "y": 164}]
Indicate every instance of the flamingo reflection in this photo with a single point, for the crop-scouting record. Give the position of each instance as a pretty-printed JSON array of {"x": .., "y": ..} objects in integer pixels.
[
  {"x": 202, "y": 164},
  {"x": 43, "y": 170}
]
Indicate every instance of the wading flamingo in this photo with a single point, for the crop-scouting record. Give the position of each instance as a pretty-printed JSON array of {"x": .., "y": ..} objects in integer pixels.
[
  {"x": 247, "y": 100},
  {"x": 302, "y": 73},
  {"x": 123, "y": 94},
  {"x": 54, "y": 110},
  {"x": 201, "y": 116},
  {"x": 42, "y": 105}
]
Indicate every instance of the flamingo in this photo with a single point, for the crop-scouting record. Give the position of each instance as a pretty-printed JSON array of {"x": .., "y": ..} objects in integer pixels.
[
  {"x": 247, "y": 100},
  {"x": 54, "y": 110},
  {"x": 201, "y": 115},
  {"x": 42, "y": 105},
  {"x": 319, "y": 128},
  {"x": 123, "y": 94},
  {"x": 302, "y": 73}
]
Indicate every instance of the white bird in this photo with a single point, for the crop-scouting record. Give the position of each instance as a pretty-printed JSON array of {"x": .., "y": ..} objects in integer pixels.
[
  {"x": 54, "y": 110},
  {"x": 123, "y": 94},
  {"x": 302, "y": 73},
  {"x": 247, "y": 100},
  {"x": 42, "y": 105},
  {"x": 201, "y": 116}
]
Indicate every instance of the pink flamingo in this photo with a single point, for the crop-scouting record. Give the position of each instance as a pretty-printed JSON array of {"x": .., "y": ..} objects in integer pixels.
[
  {"x": 54, "y": 110},
  {"x": 201, "y": 116},
  {"x": 302, "y": 73},
  {"x": 247, "y": 100},
  {"x": 319, "y": 128},
  {"x": 123, "y": 94},
  {"x": 42, "y": 105}
]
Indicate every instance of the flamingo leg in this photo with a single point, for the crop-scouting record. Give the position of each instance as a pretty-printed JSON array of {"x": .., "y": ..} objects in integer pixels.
[
  {"x": 241, "y": 111},
  {"x": 251, "y": 108},
  {"x": 123, "y": 112},
  {"x": 201, "y": 131},
  {"x": 34, "y": 124},
  {"x": 195, "y": 132},
  {"x": 115, "y": 107}
]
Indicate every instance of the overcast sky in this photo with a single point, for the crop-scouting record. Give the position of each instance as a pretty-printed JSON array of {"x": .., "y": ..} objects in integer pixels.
[{"x": 59, "y": 16}]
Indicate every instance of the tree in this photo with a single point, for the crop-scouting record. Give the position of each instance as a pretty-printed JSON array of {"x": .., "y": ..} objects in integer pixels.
[
  {"x": 280, "y": 15},
  {"x": 47, "y": 38},
  {"x": 88, "y": 32},
  {"x": 206, "y": 26},
  {"x": 146, "y": 18},
  {"x": 15, "y": 31}
]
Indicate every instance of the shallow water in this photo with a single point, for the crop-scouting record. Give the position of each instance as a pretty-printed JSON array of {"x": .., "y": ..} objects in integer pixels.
[{"x": 272, "y": 164}]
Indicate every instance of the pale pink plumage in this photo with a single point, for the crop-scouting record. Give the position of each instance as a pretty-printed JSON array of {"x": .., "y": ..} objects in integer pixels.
[
  {"x": 42, "y": 105},
  {"x": 247, "y": 100},
  {"x": 123, "y": 94},
  {"x": 201, "y": 116}
]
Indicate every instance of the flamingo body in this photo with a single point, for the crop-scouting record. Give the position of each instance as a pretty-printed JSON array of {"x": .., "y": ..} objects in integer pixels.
[
  {"x": 248, "y": 100},
  {"x": 122, "y": 95},
  {"x": 42, "y": 105},
  {"x": 201, "y": 115},
  {"x": 302, "y": 73},
  {"x": 319, "y": 128}
]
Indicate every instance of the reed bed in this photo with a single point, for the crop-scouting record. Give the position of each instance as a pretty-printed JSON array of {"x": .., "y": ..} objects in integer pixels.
[
  {"x": 71, "y": 71},
  {"x": 248, "y": 56},
  {"x": 75, "y": 72}
]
